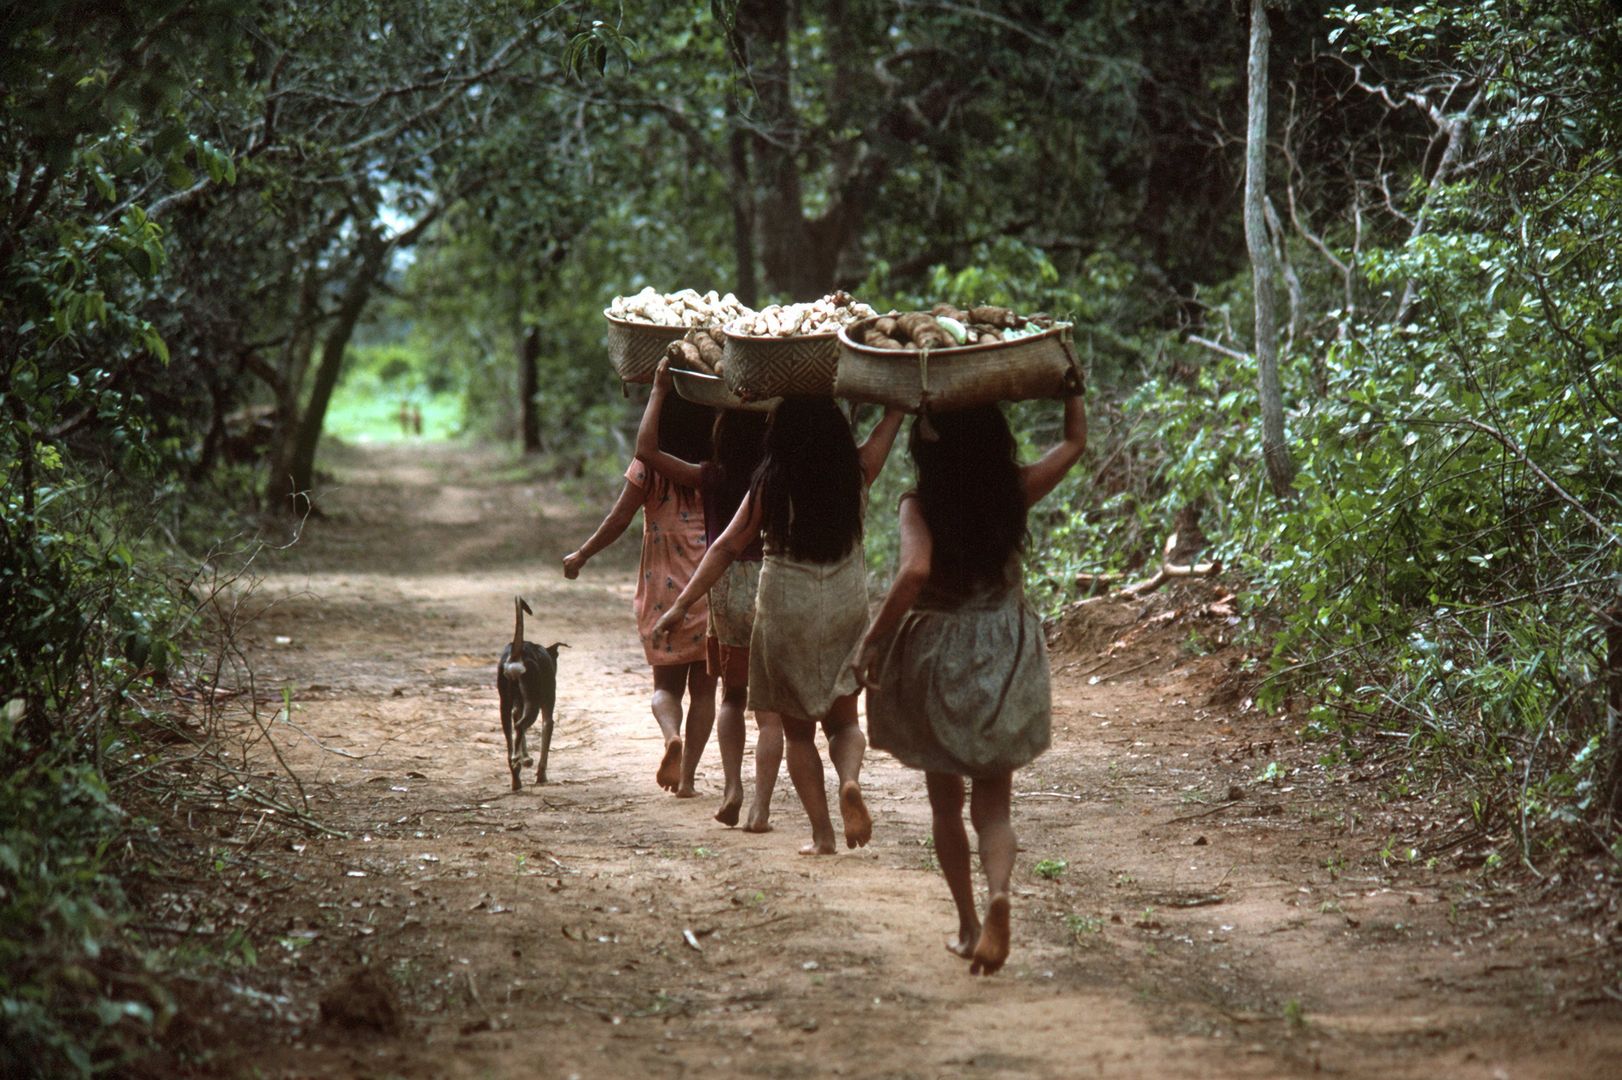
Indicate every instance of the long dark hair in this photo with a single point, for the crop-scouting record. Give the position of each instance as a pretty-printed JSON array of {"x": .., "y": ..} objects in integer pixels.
[
  {"x": 684, "y": 432},
  {"x": 968, "y": 481},
  {"x": 737, "y": 443},
  {"x": 810, "y": 482}
]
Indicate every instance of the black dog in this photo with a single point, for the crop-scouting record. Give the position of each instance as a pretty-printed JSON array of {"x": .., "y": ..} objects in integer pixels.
[{"x": 527, "y": 682}]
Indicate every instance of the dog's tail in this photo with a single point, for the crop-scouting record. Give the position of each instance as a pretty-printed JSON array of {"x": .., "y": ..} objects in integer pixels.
[
  {"x": 515, "y": 659},
  {"x": 555, "y": 646}
]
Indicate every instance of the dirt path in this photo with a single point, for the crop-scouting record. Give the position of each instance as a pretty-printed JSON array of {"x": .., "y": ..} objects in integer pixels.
[{"x": 1175, "y": 915}]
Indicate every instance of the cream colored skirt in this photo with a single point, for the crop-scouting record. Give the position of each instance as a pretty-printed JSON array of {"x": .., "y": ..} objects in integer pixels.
[
  {"x": 732, "y": 604},
  {"x": 809, "y": 622}
]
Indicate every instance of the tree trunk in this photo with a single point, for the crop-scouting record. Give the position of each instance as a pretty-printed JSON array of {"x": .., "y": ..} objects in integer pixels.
[
  {"x": 1612, "y": 790},
  {"x": 302, "y": 467},
  {"x": 295, "y": 362},
  {"x": 529, "y": 388},
  {"x": 743, "y": 216},
  {"x": 1280, "y": 468},
  {"x": 762, "y": 31}
]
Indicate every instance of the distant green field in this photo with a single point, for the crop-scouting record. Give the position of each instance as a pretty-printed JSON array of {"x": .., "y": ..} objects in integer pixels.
[
  {"x": 365, "y": 407},
  {"x": 363, "y": 410}
]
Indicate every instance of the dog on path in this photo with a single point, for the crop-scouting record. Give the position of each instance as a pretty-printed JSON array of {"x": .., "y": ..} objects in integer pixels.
[{"x": 527, "y": 683}]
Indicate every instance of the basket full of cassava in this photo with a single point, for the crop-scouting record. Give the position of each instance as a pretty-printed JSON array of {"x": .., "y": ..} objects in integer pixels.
[
  {"x": 949, "y": 358},
  {"x": 697, "y": 360},
  {"x": 788, "y": 349},
  {"x": 642, "y": 326}
]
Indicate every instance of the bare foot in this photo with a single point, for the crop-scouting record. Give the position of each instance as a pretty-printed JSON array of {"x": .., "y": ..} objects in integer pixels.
[
  {"x": 820, "y": 847},
  {"x": 991, "y": 951},
  {"x": 962, "y": 943},
  {"x": 757, "y": 826},
  {"x": 730, "y": 806},
  {"x": 669, "y": 774},
  {"x": 853, "y": 812},
  {"x": 757, "y": 820},
  {"x": 686, "y": 793}
]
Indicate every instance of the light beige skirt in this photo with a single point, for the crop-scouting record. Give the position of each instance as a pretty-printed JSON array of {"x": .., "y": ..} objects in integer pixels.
[
  {"x": 809, "y": 621},
  {"x": 732, "y": 604}
]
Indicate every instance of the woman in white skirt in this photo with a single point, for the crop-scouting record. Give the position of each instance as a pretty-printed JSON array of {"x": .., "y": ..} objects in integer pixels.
[{"x": 806, "y": 502}]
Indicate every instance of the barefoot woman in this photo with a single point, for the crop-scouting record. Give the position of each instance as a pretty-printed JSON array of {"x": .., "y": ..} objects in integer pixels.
[
  {"x": 955, "y": 665},
  {"x": 672, "y": 544},
  {"x": 807, "y": 501}
]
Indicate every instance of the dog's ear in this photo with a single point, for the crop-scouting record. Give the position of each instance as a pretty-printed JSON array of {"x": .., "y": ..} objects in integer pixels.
[{"x": 525, "y": 605}]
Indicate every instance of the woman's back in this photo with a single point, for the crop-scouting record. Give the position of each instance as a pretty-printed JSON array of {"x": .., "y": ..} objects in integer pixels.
[{"x": 810, "y": 483}]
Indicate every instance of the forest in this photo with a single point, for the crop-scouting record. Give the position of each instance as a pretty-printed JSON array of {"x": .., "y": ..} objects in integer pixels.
[{"x": 1346, "y": 280}]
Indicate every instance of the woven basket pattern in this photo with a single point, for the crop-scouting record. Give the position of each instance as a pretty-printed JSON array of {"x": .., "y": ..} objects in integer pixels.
[
  {"x": 711, "y": 390},
  {"x": 1040, "y": 366},
  {"x": 635, "y": 347},
  {"x": 763, "y": 367}
]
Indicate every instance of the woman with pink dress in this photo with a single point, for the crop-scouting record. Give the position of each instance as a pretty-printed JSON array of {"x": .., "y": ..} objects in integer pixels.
[{"x": 672, "y": 546}]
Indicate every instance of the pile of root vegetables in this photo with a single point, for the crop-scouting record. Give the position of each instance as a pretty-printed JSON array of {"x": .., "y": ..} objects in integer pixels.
[
  {"x": 710, "y": 317},
  {"x": 825, "y": 316},
  {"x": 698, "y": 350},
  {"x": 948, "y": 327},
  {"x": 687, "y": 307}
]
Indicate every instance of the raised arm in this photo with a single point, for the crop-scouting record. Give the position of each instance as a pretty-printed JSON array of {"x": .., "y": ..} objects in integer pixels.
[
  {"x": 917, "y": 547},
  {"x": 740, "y": 532},
  {"x": 1043, "y": 475},
  {"x": 618, "y": 520},
  {"x": 669, "y": 466},
  {"x": 875, "y": 449}
]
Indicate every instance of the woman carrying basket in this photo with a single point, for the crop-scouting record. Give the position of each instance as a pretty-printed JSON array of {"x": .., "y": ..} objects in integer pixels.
[
  {"x": 737, "y": 442},
  {"x": 672, "y": 545},
  {"x": 955, "y": 664},
  {"x": 806, "y": 502}
]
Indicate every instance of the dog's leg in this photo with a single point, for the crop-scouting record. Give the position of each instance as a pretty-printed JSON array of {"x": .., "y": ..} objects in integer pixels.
[
  {"x": 507, "y": 710},
  {"x": 546, "y": 742},
  {"x": 524, "y": 724}
]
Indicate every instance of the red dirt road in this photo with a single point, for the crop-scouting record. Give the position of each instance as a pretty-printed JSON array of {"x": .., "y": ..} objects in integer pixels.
[{"x": 1175, "y": 915}]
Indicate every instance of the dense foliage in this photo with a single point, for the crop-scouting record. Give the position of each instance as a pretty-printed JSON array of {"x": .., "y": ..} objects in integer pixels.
[{"x": 219, "y": 219}]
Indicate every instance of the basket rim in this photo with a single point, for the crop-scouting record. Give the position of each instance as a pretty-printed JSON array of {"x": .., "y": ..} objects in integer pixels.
[
  {"x": 845, "y": 341},
  {"x": 754, "y": 404},
  {"x": 638, "y": 324},
  {"x": 774, "y": 338}
]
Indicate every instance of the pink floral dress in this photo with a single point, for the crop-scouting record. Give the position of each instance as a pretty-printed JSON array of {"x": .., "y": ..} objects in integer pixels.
[{"x": 672, "y": 545}]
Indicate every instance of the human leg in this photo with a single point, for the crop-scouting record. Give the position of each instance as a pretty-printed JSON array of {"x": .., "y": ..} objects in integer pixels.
[
  {"x": 729, "y": 738},
  {"x": 700, "y": 721},
  {"x": 952, "y": 852},
  {"x": 669, "y": 683},
  {"x": 989, "y": 801},
  {"x": 846, "y": 746},
  {"x": 805, "y": 770},
  {"x": 768, "y": 760}
]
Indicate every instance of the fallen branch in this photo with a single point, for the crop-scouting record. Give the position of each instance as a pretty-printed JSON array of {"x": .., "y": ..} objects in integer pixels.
[
  {"x": 1096, "y": 679},
  {"x": 1166, "y": 572}
]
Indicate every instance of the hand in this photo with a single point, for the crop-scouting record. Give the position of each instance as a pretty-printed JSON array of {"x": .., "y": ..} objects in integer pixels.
[
  {"x": 668, "y": 622},
  {"x": 866, "y": 665},
  {"x": 572, "y": 563},
  {"x": 662, "y": 379}
]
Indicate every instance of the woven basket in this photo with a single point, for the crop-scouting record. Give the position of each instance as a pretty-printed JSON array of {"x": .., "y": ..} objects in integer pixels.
[
  {"x": 635, "y": 347},
  {"x": 763, "y": 367},
  {"x": 1043, "y": 365},
  {"x": 711, "y": 390}
]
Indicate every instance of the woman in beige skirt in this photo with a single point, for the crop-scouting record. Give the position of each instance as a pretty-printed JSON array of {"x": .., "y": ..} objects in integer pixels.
[
  {"x": 955, "y": 664},
  {"x": 806, "y": 502}
]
